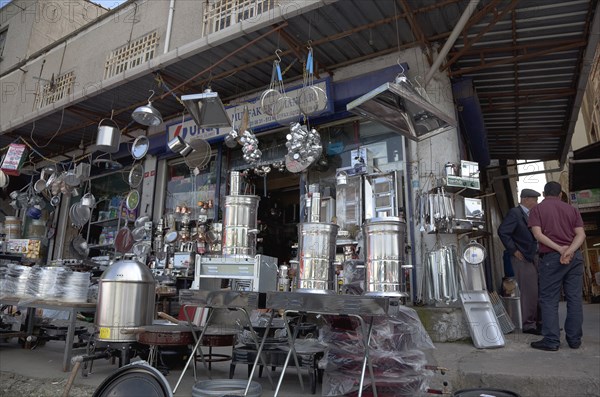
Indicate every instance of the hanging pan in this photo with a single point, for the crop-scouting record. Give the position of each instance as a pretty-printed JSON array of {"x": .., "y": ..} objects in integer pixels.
[
  {"x": 79, "y": 215},
  {"x": 136, "y": 176},
  {"x": 140, "y": 147},
  {"x": 132, "y": 200},
  {"x": 124, "y": 240}
]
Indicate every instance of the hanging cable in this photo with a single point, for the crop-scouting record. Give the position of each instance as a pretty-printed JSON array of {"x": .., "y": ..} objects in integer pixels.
[{"x": 53, "y": 136}]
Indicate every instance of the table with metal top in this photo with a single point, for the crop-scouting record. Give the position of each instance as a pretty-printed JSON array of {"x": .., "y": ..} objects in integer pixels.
[
  {"x": 72, "y": 307},
  {"x": 363, "y": 308},
  {"x": 242, "y": 301}
]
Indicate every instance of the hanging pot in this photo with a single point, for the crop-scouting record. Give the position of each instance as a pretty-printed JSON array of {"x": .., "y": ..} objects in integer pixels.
[{"x": 109, "y": 136}]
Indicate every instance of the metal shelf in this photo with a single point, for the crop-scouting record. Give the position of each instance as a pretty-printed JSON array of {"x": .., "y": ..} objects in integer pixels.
[
  {"x": 105, "y": 222},
  {"x": 98, "y": 246}
]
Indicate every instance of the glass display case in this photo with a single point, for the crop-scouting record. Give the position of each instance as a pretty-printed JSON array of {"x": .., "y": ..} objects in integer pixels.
[
  {"x": 192, "y": 191},
  {"x": 110, "y": 212}
]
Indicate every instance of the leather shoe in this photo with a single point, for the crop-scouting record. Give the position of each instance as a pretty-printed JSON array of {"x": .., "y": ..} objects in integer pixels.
[
  {"x": 574, "y": 345},
  {"x": 541, "y": 345},
  {"x": 532, "y": 331}
]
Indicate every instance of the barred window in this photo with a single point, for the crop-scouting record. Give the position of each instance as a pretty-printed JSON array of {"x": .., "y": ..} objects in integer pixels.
[
  {"x": 131, "y": 55},
  {"x": 55, "y": 89},
  {"x": 221, "y": 14}
]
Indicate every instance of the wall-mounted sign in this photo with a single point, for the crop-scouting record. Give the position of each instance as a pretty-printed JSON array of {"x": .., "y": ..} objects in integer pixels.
[{"x": 258, "y": 120}]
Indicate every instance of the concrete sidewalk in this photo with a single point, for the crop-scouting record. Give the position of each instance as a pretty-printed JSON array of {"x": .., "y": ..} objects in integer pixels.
[{"x": 515, "y": 367}]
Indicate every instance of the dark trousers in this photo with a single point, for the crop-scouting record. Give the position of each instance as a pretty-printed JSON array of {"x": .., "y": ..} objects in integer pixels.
[
  {"x": 552, "y": 276},
  {"x": 526, "y": 275}
]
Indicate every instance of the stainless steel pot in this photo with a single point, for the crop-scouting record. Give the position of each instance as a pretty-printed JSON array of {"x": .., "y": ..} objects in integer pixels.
[
  {"x": 239, "y": 229},
  {"x": 316, "y": 253},
  {"x": 384, "y": 256},
  {"x": 108, "y": 138},
  {"x": 125, "y": 300}
]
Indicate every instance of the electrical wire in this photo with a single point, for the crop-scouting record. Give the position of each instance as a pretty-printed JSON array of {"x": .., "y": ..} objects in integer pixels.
[{"x": 52, "y": 137}]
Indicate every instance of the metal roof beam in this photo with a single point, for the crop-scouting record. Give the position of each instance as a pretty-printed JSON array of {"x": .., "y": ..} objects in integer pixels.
[
  {"x": 518, "y": 58},
  {"x": 468, "y": 44},
  {"x": 416, "y": 29}
]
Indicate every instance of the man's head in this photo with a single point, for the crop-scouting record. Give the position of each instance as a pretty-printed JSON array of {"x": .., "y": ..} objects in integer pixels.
[
  {"x": 552, "y": 189},
  {"x": 529, "y": 198}
]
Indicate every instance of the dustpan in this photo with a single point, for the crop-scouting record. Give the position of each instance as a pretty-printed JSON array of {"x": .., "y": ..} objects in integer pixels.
[{"x": 483, "y": 324}]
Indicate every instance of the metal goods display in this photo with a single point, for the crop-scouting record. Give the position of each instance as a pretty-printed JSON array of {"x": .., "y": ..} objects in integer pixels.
[
  {"x": 239, "y": 228},
  {"x": 125, "y": 300},
  {"x": 440, "y": 279},
  {"x": 384, "y": 256},
  {"x": 316, "y": 253}
]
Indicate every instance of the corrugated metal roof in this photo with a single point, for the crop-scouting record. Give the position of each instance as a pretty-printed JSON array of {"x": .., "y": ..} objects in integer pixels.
[{"x": 526, "y": 66}]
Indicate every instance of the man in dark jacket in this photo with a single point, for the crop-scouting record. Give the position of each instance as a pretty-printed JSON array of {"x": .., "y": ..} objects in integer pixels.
[{"x": 522, "y": 247}]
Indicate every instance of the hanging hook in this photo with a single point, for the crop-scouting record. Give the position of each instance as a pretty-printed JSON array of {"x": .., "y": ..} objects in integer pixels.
[
  {"x": 151, "y": 95},
  {"x": 401, "y": 66},
  {"x": 277, "y": 52},
  {"x": 309, "y": 45}
]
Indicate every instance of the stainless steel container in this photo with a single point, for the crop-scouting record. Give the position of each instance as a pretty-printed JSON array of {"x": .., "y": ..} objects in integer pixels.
[
  {"x": 126, "y": 296},
  {"x": 108, "y": 137},
  {"x": 235, "y": 183},
  {"x": 384, "y": 256},
  {"x": 316, "y": 253},
  {"x": 239, "y": 229}
]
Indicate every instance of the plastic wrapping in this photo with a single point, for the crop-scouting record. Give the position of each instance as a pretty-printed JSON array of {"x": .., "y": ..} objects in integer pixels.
[
  {"x": 354, "y": 277},
  {"x": 395, "y": 353}
]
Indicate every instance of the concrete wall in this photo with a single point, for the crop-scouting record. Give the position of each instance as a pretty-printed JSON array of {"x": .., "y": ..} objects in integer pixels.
[{"x": 33, "y": 25}]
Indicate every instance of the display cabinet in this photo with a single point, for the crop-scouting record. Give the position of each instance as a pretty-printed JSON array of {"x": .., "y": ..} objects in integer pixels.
[{"x": 110, "y": 212}]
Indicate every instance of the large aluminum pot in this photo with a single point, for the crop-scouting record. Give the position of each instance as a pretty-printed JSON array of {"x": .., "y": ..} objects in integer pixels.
[
  {"x": 125, "y": 300},
  {"x": 384, "y": 256},
  {"x": 108, "y": 138},
  {"x": 316, "y": 253},
  {"x": 239, "y": 226}
]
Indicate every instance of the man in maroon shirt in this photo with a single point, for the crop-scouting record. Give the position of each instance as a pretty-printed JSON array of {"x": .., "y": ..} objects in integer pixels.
[{"x": 558, "y": 227}]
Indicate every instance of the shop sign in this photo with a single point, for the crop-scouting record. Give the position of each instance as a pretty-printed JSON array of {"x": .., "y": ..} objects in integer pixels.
[{"x": 258, "y": 120}]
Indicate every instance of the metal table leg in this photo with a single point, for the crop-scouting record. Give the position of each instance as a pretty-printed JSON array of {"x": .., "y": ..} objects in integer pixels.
[
  {"x": 187, "y": 364},
  {"x": 366, "y": 331},
  {"x": 292, "y": 352},
  {"x": 69, "y": 339},
  {"x": 259, "y": 350}
]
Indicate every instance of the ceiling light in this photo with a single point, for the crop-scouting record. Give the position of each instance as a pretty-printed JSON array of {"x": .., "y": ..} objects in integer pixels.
[
  {"x": 147, "y": 115},
  {"x": 206, "y": 109},
  {"x": 400, "y": 107}
]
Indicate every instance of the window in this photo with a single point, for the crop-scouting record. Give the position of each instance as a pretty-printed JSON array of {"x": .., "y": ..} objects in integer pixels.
[
  {"x": 3, "y": 35},
  {"x": 131, "y": 55},
  {"x": 55, "y": 89},
  {"x": 221, "y": 14}
]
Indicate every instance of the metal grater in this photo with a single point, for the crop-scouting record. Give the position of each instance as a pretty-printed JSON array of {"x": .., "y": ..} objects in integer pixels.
[{"x": 506, "y": 324}]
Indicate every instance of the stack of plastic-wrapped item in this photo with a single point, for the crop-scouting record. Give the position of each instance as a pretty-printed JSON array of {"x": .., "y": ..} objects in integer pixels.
[
  {"x": 396, "y": 353},
  {"x": 46, "y": 283}
]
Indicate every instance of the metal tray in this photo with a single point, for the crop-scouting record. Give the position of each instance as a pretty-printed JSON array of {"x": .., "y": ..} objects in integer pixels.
[{"x": 481, "y": 319}]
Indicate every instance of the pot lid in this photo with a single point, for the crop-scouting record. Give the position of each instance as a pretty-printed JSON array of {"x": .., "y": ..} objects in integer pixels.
[
  {"x": 127, "y": 270},
  {"x": 140, "y": 147},
  {"x": 135, "y": 379}
]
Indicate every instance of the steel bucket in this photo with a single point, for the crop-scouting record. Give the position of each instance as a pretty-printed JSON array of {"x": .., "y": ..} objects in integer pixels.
[
  {"x": 316, "y": 253},
  {"x": 384, "y": 256},
  {"x": 108, "y": 138},
  {"x": 239, "y": 226}
]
